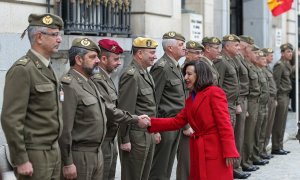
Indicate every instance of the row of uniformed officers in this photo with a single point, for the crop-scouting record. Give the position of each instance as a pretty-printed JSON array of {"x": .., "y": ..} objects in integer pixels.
[{"x": 67, "y": 129}]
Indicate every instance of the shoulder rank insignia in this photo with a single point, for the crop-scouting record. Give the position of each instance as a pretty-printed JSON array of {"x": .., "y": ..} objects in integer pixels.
[
  {"x": 162, "y": 63},
  {"x": 22, "y": 61},
  {"x": 99, "y": 76},
  {"x": 131, "y": 71},
  {"x": 66, "y": 79}
]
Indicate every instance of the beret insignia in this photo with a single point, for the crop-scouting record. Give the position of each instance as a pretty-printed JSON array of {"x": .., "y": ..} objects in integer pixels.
[
  {"x": 85, "y": 42},
  {"x": 47, "y": 20}
]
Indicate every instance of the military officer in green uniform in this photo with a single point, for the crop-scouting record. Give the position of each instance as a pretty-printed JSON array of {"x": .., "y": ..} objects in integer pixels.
[
  {"x": 85, "y": 114},
  {"x": 211, "y": 52},
  {"x": 137, "y": 96},
  {"x": 253, "y": 104},
  {"x": 31, "y": 113},
  {"x": 194, "y": 51},
  {"x": 109, "y": 62},
  {"x": 170, "y": 98},
  {"x": 272, "y": 103},
  {"x": 228, "y": 71},
  {"x": 281, "y": 72},
  {"x": 263, "y": 110}
]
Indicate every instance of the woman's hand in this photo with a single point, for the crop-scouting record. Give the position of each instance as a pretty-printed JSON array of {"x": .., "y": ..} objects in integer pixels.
[{"x": 230, "y": 161}]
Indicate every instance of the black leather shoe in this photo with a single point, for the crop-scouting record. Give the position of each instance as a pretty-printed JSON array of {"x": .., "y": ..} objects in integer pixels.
[
  {"x": 240, "y": 175},
  {"x": 250, "y": 169},
  {"x": 261, "y": 162},
  {"x": 286, "y": 151},
  {"x": 279, "y": 152},
  {"x": 265, "y": 156}
]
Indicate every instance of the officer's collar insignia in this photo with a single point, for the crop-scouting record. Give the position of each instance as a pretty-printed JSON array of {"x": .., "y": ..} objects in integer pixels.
[
  {"x": 47, "y": 20},
  {"x": 172, "y": 34},
  {"x": 85, "y": 42},
  {"x": 148, "y": 43}
]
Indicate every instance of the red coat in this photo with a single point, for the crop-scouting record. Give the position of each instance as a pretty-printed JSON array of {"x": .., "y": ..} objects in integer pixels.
[{"x": 213, "y": 140}]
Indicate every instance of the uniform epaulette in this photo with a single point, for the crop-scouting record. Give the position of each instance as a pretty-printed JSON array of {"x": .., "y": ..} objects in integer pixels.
[
  {"x": 131, "y": 71},
  {"x": 161, "y": 63},
  {"x": 99, "y": 76},
  {"x": 23, "y": 61},
  {"x": 66, "y": 79}
]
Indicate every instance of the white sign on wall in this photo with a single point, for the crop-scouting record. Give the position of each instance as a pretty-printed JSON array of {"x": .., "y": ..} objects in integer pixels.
[
  {"x": 192, "y": 26},
  {"x": 278, "y": 37}
]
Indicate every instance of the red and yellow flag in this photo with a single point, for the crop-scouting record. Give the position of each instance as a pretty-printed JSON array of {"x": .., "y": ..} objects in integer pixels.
[{"x": 279, "y": 6}]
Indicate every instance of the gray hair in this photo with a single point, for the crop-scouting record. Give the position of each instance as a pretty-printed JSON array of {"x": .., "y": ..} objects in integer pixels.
[
  {"x": 168, "y": 42},
  {"x": 74, "y": 51},
  {"x": 32, "y": 30}
]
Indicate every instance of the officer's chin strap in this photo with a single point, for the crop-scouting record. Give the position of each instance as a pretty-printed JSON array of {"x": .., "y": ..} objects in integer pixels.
[{"x": 24, "y": 32}]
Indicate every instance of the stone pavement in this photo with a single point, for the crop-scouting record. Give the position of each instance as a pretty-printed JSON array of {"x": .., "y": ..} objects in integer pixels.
[{"x": 280, "y": 167}]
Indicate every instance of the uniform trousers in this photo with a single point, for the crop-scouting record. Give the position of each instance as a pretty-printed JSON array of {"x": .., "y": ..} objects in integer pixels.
[
  {"x": 183, "y": 158},
  {"x": 46, "y": 163},
  {"x": 110, "y": 155},
  {"x": 280, "y": 121},
  {"x": 239, "y": 131}
]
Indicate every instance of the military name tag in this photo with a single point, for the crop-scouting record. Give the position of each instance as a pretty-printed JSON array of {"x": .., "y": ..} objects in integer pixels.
[{"x": 61, "y": 95}]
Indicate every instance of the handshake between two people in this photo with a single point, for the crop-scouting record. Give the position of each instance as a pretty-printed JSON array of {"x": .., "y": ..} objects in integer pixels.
[{"x": 144, "y": 121}]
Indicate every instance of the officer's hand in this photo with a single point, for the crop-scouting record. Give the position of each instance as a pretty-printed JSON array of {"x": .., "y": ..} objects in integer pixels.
[
  {"x": 188, "y": 132},
  {"x": 70, "y": 172},
  {"x": 144, "y": 121},
  {"x": 157, "y": 138},
  {"x": 230, "y": 161},
  {"x": 25, "y": 169},
  {"x": 238, "y": 109},
  {"x": 247, "y": 114},
  {"x": 276, "y": 103},
  {"x": 126, "y": 147}
]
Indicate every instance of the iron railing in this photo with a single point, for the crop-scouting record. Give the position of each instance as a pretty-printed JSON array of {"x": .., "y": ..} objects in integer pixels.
[{"x": 95, "y": 17}]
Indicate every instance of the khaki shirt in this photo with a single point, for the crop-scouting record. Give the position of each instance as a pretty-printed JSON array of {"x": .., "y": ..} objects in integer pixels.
[
  {"x": 282, "y": 75},
  {"x": 31, "y": 114},
  {"x": 169, "y": 87},
  {"x": 136, "y": 95},
  {"x": 216, "y": 76},
  {"x": 229, "y": 81}
]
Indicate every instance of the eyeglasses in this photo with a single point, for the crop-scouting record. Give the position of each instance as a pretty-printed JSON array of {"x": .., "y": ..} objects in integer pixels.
[{"x": 54, "y": 34}]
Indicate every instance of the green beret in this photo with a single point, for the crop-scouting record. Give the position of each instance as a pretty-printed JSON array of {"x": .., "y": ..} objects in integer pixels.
[
  {"x": 211, "y": 40},
  {"x": 254, "y": 47},
  {"x": 173, "y": 35},
  {"x": 194, "y": 45},
  {"x": 285, "y": 46},
  {"x": 247, "y": 39},
  {"x": 147, "y": 43},
  {"x": 85, "y": 43},
  {"x": 46, "y": 20},
  {"x": 267, "y": 50},
  {"x": 231, "y": 37}
]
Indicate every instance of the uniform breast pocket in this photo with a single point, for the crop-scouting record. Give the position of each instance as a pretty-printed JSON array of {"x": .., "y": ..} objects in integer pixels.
[
  {"x": 44, "y": 88},
  {"x": 89, "y": 109},
  {"x": 286, "y": 73},
  {"x": 253, "y": 76},
  {"x": 146, "y": 91},
  {"x": 45, "y": 93},
  {"x": 88, "y": 101},
  {"x": 113, "y": 97}
]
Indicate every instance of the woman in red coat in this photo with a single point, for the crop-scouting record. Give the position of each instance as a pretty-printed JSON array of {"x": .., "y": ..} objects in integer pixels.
[{"x": 212, "y": 145}]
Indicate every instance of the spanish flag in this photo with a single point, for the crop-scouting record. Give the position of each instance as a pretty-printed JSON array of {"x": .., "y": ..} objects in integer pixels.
[{"x": 279, "y": 6}]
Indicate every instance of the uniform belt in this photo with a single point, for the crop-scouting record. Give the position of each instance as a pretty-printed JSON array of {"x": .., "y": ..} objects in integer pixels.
[
  {"x": 42, "y": 146},
  {"x": 136, "y": 128},
  {"x": 86, "y": 148}
]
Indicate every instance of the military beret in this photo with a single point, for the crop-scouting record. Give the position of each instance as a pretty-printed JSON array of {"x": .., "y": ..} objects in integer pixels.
[
  {"x": 147, "y": 43},
  {"x": 110, "y": 45},
  {"x": 46, "y": 20},
  {"x": 173, "y": 35},
  {"x": 247, "y": 39},
  {"x": 194, "y": 45},
  {"x": 211, "y": 40},
  {"x": 267, "y": 50},
  {"x": 254, "y": 47},
  {"x": 231, "y": 37},
  {"x": 285, "y": 46},
  {"x": 85, "y": 43}
]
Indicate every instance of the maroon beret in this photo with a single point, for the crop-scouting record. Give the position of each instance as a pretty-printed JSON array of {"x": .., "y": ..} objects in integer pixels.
[{"x": 110, "y": 45}]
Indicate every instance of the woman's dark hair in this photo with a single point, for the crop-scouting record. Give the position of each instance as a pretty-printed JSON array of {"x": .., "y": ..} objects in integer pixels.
[{"x": 203, "y": 73}]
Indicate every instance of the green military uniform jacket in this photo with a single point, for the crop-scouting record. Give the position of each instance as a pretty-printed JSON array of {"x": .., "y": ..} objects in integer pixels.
[
  {"x": 229, "y": 81},
  {"x": 169, "y": 86},
  {"x": 272, "y": 84},
  {"x": 264, "y": 87},
  {"x": 254, "y": 86},
  {"x": 216, "y": 76},
  {"x": 31, "y": 112},
  {"x": 109, "y": 92},
  {"x": 282, "y": 72},
  {"x": 136, "y": 95},
  {"x": 243, "y": 75},
  {"x": 84, "y": 115}
]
